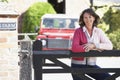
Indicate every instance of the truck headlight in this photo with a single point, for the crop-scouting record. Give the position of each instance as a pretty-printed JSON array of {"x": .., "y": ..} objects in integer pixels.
[{"x": 44, "y": 42}]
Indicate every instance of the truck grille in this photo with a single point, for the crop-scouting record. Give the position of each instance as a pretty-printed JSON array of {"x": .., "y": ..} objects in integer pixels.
[{"x": 59, "y": 43}]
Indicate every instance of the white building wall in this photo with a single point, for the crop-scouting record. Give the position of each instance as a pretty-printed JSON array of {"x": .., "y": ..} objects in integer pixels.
[
  {"x": 22, "y": 5},
  {"x": 74, "y": 7}
]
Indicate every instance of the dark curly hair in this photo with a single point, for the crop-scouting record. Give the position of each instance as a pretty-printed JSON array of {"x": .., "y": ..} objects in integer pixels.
[{"x": 91, "y": 12}]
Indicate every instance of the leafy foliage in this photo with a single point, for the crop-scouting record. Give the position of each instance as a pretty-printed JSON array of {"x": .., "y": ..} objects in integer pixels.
[
  {"x": 31, "y": 18},
  {"x": 4, "y": 1},
  {"x": 112, "y": 19},
  {"x": 110, "y": 23},
  {"x": 115, "y": 38},
  {"x": 103, "y": 26}
]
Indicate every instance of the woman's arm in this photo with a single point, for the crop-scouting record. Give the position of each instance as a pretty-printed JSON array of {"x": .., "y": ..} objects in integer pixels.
[
  {"x": 105, "y": 43},
  {"x": 77, "y": 43}
]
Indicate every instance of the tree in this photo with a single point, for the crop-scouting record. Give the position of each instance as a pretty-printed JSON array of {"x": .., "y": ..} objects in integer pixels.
[
  {"x": 110, "y": 23},
  {"x": 112, "y": 19},
  {"x": 4, "y": 1},
  {"x": 32, "y": 16},
  {"x": 115, "y": 38}
]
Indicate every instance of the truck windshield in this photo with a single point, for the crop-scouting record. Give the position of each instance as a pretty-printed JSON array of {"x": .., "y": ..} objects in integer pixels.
[{"x": 60, "y": 22}]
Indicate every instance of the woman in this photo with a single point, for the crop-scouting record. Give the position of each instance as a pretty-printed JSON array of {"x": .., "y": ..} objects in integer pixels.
[{"x": 89, "y": 37}]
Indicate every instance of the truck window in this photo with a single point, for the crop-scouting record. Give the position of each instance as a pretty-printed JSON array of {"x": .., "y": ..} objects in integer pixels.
[
  {"x": 59, "y": 22},
  {"x": 72, "y": 24},
  {"x": 48, "y": 22}
]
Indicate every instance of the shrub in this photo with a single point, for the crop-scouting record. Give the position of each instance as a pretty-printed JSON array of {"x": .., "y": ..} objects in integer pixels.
[
  {"x": 115, "y": 38},
  {"x": 31, "y": 17},
  {"x": 112, "y": 19}
]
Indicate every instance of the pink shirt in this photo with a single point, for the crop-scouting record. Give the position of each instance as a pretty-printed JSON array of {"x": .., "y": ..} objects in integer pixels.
[{"x": 99, "y": 38}]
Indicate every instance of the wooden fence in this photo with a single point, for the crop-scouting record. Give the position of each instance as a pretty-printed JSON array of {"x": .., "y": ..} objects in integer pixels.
[
  {"x": 54, "y": 55},
  {"x": 27, "y": 57}
]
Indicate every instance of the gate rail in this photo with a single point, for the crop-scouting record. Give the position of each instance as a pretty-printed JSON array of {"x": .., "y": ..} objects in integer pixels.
[{"x": 53, "y": 55}]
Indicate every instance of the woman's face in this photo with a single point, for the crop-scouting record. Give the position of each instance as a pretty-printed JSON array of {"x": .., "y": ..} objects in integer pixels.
[{"x": 88, "y": 19}]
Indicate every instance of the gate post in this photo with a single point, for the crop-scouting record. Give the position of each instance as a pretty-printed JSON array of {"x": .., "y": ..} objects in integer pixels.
[{"x": 25, "y": 60}]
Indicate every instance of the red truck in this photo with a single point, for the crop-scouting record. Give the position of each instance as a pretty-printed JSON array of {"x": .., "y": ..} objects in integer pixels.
[{"x": 56, "y": 31}]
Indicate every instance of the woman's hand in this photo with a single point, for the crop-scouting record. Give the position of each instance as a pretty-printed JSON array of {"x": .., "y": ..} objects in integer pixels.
[{"x": 89, "y": 46}]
